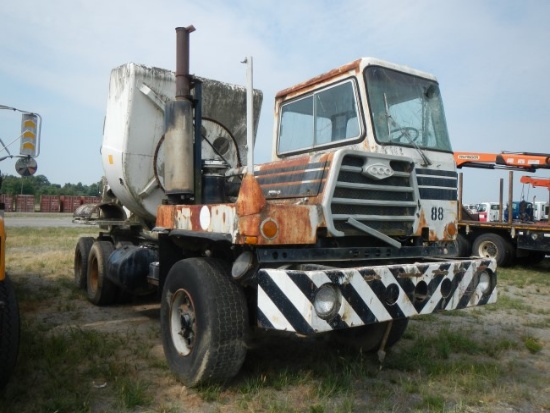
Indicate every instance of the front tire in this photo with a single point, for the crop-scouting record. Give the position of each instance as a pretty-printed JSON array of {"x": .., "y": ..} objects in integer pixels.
[
  {"x": 204, "y": 321},
  {"x": 101, "y": 290},
  {"x": 9, "y": 330}
]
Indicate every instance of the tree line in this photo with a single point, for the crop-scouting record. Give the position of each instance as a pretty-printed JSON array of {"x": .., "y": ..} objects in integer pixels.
[{"x": 40, "y": 185}]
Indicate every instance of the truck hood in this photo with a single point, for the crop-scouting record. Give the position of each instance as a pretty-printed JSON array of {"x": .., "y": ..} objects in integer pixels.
[{"x": 293, "y": 178}]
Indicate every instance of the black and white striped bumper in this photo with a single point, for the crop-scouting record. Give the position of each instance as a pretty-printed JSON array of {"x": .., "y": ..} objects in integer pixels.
[{"x": 372, "y": 294}]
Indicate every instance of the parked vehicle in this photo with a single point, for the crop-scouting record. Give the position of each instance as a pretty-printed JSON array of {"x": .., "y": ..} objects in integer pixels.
[
  {"x": 512, "y": 237},
  {"x": 9, "y": 314},
  {"x": 31, "y": 124},
  {"x": 336, "y": 236},
  {"x": 521, "y": 210},
  {"x": 540, "y": 211},
  {"x": 540, "y": 208},
  {"x": 488, "y": 211}
]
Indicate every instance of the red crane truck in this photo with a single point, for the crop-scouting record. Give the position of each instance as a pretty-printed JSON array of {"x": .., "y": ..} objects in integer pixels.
[{"x": 506, "y": 239}]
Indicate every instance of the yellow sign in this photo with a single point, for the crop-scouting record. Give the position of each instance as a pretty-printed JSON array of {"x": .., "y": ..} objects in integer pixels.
[{"x": 29, "y": 128}]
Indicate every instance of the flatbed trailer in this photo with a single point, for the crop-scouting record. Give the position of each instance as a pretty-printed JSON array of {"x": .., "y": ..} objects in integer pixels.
[{"x": 507, "y": 241}]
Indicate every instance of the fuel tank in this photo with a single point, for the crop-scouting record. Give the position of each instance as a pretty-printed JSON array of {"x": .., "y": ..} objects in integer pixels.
[
  {"x": 132, "y": 150},
  {"x": 129, "y": 267}
]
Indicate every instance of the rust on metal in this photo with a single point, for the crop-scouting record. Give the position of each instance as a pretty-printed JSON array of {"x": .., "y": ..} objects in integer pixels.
[
  {"x": 410, "y": 274},
  {"x": 446, "y": 234},
  {"x": 482, "y": 268},
  {"x": 459, "y": 269},
  {"x": 296, "y": 224},
  {"x": 183, "y": 83},
  {"x": 373, "y": 277},
  {"x": 422, "y": 223},
  {"x": 165, "y": 216},
  {"x": 440, "y": 272},
  {"x": 451, "y": 230},
  {"x": 311, "y": 83},
  {"x": 298, "y": 177},
  {"x": 251, "y": 199},
  {"x": 194, "y": 218},
  {"x": 249, "y": 226}
]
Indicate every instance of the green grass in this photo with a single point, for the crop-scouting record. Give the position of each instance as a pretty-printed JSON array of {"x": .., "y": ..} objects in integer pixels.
[
  {"x": 65, "y": 364},
  {"x": 67, "y": 368},
  {"x": 532, "y": 344},
  {"x": 536, "y": 277},
  {"x": 505, "y": 302},
  {"x": 134, "y": 393}
]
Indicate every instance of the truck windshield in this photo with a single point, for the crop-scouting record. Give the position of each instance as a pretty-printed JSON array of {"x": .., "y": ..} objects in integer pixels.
[
  {"x": 406, "y": 110},
  {"x": 327, "y": 117}
]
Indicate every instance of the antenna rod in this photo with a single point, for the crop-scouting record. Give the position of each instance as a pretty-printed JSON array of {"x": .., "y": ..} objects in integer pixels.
[{"x": 249, "y": 114}]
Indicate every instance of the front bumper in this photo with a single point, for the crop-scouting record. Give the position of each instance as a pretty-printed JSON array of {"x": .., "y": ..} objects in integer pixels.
[{"x": 372, "y": 294}]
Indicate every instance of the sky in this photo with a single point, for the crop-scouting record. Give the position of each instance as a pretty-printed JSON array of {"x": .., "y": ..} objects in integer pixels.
[{"x": 490, "y": 57}]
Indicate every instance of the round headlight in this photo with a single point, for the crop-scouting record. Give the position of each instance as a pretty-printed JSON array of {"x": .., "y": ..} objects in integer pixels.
[
  {"x": 484, "y": 284},
  {"x": 242, "y": 264},
  {"x": 327, "y": 301},
  {"x": 392, "y": 294}
]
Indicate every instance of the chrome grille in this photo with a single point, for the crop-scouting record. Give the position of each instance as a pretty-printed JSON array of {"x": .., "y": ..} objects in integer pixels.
[
  {"x": 437, "y": 185},
  {"x": 386, "y": 205}
]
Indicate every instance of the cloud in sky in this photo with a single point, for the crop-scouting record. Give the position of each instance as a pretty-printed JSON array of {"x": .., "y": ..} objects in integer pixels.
[{"x": 489, "y": 56}]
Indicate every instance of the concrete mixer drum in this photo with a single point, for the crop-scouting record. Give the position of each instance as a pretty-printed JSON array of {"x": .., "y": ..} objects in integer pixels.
[{"x": 218, "y": 145}]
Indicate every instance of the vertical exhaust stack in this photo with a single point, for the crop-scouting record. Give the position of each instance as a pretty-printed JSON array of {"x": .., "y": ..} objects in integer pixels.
[{"x": 178, "y": 135}]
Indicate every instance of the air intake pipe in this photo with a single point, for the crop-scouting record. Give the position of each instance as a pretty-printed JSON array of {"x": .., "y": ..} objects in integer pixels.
[{"x": 178, "y": 134}]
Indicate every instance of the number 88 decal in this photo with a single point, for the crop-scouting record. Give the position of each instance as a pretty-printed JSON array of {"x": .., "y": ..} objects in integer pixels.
[{"x": 437, "y": 214}]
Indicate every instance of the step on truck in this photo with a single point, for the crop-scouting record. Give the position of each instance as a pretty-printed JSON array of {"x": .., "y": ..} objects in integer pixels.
[{"x": 347, "y": 232}]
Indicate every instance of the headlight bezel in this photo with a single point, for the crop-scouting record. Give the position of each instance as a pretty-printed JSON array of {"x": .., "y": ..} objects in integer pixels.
[{"x": 327, "y": 301}]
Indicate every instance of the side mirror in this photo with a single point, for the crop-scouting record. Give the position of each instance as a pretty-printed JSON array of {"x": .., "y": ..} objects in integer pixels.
[{"x": 26, "y": 166}]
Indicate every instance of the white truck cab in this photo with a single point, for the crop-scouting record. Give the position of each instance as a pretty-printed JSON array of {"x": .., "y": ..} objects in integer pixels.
[
  {"x": 540, "y": 211},
  {"x": 488, "y": 211}
]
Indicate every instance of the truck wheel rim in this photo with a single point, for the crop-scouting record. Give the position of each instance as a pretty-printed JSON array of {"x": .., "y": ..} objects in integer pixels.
[
  {"x": 182, "y": 322},
  {"x": 488, "y": 250}
]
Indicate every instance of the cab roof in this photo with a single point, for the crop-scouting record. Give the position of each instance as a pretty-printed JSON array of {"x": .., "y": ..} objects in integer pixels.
[{"x": 349, "y": 69}]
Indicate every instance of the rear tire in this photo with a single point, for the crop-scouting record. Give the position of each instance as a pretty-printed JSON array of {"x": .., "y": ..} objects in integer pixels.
[
  {"x": 494, "y": 246},
  {"x": 101, "y": 290},
  {"x": 9, "y": 331},
  {"x": 204, "y": 321},
  {"x": 464, "y": 246},
  {"x": 81, "y": 253}
]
